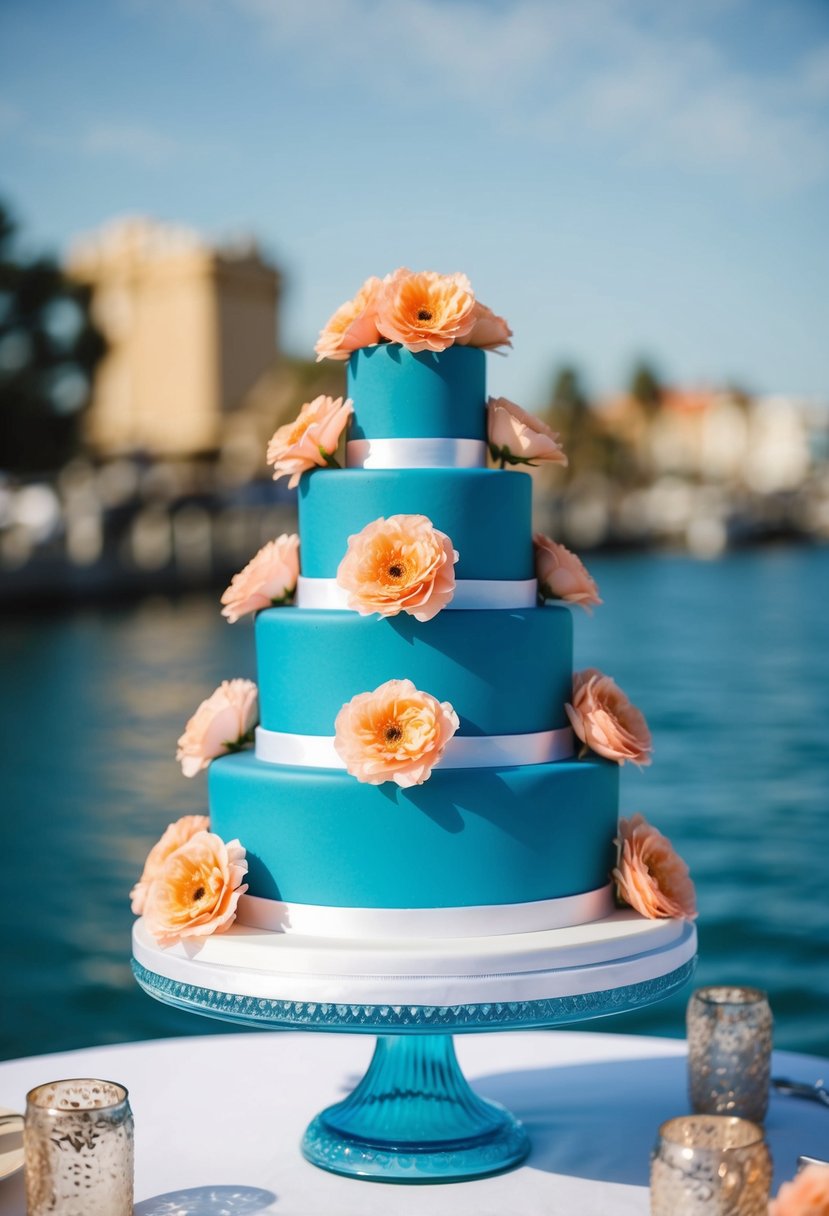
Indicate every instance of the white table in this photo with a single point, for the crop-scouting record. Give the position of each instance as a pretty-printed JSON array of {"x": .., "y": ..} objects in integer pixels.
[{"x": 219, "y": 1120}]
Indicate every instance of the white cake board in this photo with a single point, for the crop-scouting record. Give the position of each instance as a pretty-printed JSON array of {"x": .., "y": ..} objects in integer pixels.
[{"x": 620, "y": 951}]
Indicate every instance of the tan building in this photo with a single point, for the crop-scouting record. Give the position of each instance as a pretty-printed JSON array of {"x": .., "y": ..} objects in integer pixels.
[{"x": 191, "y": 329}]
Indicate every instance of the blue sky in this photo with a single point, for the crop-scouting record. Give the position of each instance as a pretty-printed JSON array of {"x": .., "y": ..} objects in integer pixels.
[{"x": 617, "y": 177}]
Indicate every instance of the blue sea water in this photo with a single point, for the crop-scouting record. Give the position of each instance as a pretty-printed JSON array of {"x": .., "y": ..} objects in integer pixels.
[{"x": 728, "y": 659}]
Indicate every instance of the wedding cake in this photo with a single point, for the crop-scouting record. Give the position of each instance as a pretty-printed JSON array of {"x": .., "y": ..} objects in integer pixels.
[{"x": 418, "y": 793}]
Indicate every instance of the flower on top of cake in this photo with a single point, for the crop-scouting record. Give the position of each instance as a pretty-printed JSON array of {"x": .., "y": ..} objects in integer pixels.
[
  {"x": 650, "y": 875},
  {"x": 516, "y": 437},
  {"x": 311, "y": 440},
  {"x": 395, "y": 733},
  {"x": 223, "y": 723},
  {"x": 562, "y": 575},
  {"x": 269, "y": 579},
  {"x": 806, "y": 1195},
  {"x": 605, "y": 721},
  {"x": 194, "y": 890},
  {"x": 420, "y": 310},
  {"x": 399, "y": 564}
]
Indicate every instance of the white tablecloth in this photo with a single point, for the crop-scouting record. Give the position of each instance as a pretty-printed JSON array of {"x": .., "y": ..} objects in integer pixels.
[{"x": 219, "y": 1120}]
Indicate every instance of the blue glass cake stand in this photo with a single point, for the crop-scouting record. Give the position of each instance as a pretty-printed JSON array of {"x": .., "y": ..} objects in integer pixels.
[{"x": 413, "y": 1118}]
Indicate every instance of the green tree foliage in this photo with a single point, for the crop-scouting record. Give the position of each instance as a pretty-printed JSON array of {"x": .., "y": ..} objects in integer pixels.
[
  {"x": 645, "y": 386},
  {"x": 570, "y": 414},
  {"x": 49, "y": 349}
]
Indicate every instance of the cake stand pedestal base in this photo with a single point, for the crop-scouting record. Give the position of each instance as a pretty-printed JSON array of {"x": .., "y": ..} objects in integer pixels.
[{"x": 414, "y": 1118}]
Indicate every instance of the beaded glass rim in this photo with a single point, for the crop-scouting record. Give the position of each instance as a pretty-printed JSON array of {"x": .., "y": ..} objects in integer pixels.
[{"x": 400, "y": 1019}]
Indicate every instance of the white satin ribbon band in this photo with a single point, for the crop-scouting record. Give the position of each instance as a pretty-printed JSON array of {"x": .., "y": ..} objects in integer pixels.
[
  {"x": 470, "y": 593},
  {"x": 467, "y": 751},
  {"x": 311, "y": 920},
  {"x": 415, "y": 454}
]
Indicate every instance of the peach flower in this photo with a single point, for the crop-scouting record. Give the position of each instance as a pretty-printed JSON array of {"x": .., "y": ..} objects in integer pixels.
[
  {"x": 561, "y": 575},
  {"x": 174, "y": 837},
  {"x": 223, "y": 723},
  {"x": 488, "y": 331},
  {"x": 395, "y": 733},
  {"x": 604, "y": 719},
  {"x": 311, "y": 440},
  {"x": 806, "y": 1195},
  {"x": 352, "y": 326},
  {"x": 399, "y": 564},
  {"x": 516, "y": 437},
  {"x": 268, "y": 578},
  {"x": 425, "y": 311},
  {"x": 650, "y": 875},
  {"x": 197, "y": 890}
]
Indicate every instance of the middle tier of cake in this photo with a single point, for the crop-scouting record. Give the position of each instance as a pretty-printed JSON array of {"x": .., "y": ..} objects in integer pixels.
[{"x": 504, "y": 672}]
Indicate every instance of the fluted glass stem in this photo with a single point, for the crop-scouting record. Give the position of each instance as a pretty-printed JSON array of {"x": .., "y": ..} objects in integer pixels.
[{"x": 414, "y": 1118}]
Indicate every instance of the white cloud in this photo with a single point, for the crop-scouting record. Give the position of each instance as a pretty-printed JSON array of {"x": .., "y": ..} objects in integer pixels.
[
  {"x": 133, "y": 141},
  {"x": 641, "y": 80}
]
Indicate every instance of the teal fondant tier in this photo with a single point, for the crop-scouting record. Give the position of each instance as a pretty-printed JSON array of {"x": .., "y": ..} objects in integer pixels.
[
  {"x": 434, "y": 395},
  {"x": 504, "y": 672},
  {"x": 464, "y": 838},
  {"x": 485, "y": 512}
]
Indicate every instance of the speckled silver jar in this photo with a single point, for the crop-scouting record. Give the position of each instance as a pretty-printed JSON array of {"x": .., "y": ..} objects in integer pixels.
[
  {"x": 729, "y": 1051},
  {"x": 710, "y": 1165},
  {"x": 78, "y": 1148}
]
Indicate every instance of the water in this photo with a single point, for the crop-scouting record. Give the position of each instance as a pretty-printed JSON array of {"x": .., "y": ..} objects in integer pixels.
[{"x": 729, "y": 660}]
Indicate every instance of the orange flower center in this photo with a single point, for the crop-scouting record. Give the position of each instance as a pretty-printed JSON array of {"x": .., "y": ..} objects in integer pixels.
[
  {"x": 395, "y": 570},
  {"x": 198, "y": 894},
  {"x": 299, "y": 430},
  {"x": 393, "y": 733},
  {"x": 424, "y": 314}
]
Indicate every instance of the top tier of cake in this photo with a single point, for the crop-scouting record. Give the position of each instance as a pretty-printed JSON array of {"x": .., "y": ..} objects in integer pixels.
[{"x": 400, "y": 395}]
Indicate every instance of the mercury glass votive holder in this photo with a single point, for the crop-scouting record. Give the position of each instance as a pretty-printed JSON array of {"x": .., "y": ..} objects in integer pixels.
[
  {"x": 710, "y": 1165},
  {"x": 78, "y": 1149},
  {"x": 729, "y": 1052}
]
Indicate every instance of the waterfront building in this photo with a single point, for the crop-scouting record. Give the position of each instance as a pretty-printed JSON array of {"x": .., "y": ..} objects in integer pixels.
[{"x": 190, "y": 328}]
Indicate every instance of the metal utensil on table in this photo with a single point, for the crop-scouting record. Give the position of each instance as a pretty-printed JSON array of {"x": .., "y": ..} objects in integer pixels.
[{"x": 817, "y": 1092}]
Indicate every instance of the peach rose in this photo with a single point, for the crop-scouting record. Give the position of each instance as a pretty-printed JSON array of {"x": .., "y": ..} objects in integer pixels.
[
  {"x": 488, "y": 331},
  {"x": 393, "y": 734},
  {"x": 516, "y": 437},
  {"x": 425, "y": 311},
  {"x": 352, "y": 326},
  {"x": 561, "y": 575},
  {"x": 649, "y": 874},
  {"x": 806, "y": 1195},
  {"x": 197, "y": 890},
  {"x": 223, "y": 723},
  {"x": 268, "y": 578},
  {"x": 175, "y": 835},
  {"x": 399, "y": 564},
  {"x": 310, "y": 441},
  {"x": 604, "y": 719}
]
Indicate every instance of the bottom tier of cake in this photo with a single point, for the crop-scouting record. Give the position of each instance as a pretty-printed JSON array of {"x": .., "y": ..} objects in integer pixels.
[{"x": 467, "y": 838}]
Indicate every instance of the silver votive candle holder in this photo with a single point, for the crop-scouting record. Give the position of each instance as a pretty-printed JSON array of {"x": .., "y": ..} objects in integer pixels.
[
  {"x": 78, "y": 1149},
  {"x": 710, "y": 1165},
  {"x": 729, "y": 1051}
]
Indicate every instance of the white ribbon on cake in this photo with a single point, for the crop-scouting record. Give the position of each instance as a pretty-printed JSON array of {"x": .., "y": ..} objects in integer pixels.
[
  {"x": 415, "y": 454},
  {"x": 482, "y": 920},
  {"x": 470, "y": 593},
  {"x": 462, "y": 751}
]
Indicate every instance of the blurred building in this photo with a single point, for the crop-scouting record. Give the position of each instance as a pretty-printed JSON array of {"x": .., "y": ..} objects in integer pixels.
[
  {"x": 191, "y": 329},
  {"x": 760, "y": 444}
]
